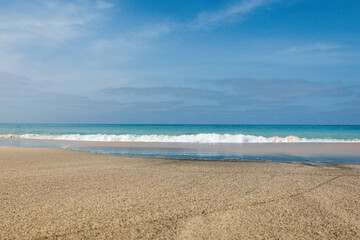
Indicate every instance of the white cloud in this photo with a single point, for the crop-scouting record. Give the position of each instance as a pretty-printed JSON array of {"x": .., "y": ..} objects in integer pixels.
[
  {"x": 313, "y": 47},
  {"x": 135, "y": 39},
  {"x": 51, "y": 22},
  {"x": 104, "y": 5},
  {"x": 26, "y": 29},
  {"x": 45, "y": 21},
  {"x": 138, "y": 38},
  {"x": 34, "y": 34},
  {"x": 231, "y": 13},
  {"x": 56, "y": 41}
]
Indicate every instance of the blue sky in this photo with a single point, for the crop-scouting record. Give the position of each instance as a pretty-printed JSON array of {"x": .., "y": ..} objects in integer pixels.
[{"x": 132, "y": 61}]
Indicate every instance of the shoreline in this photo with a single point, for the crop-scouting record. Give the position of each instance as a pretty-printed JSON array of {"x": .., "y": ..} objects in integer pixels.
[
  {"x": 323, "y": 153},
  {"x": 54, "y": 193}
]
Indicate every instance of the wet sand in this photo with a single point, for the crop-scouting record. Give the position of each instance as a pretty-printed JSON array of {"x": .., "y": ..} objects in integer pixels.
[
  {"x": 295, "y": 149},
  {"x": 298, "y": 149},
  {"x": 53, "y": 193}
]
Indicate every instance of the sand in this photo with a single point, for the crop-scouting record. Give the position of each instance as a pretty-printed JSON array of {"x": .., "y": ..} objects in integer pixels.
[{"x": 60, "y": 194}]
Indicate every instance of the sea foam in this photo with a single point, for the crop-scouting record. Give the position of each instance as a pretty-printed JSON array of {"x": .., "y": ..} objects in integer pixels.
[{"x": 190, "y": 138}]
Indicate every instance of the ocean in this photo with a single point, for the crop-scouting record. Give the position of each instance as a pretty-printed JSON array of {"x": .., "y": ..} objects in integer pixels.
[{"x": 180, "y": 141}]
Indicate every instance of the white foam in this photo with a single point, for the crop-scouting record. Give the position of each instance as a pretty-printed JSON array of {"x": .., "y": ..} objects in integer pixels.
[{"x": 191, "y": 138}]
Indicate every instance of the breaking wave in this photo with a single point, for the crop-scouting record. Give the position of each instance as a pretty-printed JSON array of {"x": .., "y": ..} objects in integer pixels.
[{"x": 191, "y": 138}]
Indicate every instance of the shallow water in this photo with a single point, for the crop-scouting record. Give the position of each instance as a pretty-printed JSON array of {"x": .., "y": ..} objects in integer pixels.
[
  {"x": 293, "y": 143},
  {"x": 312, "y": 153}
]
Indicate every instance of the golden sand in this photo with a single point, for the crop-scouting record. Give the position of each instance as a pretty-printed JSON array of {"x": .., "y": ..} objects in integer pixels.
[{"x": 47, "y": 193}]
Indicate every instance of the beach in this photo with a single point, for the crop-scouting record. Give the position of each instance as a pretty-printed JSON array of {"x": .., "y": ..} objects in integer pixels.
[{"x": 63, "y": 194}]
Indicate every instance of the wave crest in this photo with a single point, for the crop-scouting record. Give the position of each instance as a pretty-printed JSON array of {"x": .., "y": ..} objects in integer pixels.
[{"x": 193, "y": 138}]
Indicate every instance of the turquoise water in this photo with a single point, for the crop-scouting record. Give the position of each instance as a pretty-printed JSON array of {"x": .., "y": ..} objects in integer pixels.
[
  {"x": 340, "y": 132},
  {"x": 38, "y": 135}
]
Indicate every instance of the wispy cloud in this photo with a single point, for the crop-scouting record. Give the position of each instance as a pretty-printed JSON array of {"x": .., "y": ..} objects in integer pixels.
[
  {"x": 177, "y": 92},
  {"x": 248, "y": 100},
  {"x": 319, "y": 46},
  {"x": 47, "y": 21},
  {"x": 30, "y": 30},
  {"x": 232, "y": 13},
  {"x": 139, "y": 37},
  {"x": 288, "y": 89},
  {"x": 236, "y": 90},
  {"x": 135, "y": 39},
  {"x": 48, "y": 24},
  {"x": 104, "y": 5}
]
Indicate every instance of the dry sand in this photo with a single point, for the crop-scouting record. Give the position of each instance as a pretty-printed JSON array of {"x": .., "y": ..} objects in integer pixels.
[{"x": 47, "y": 193}]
